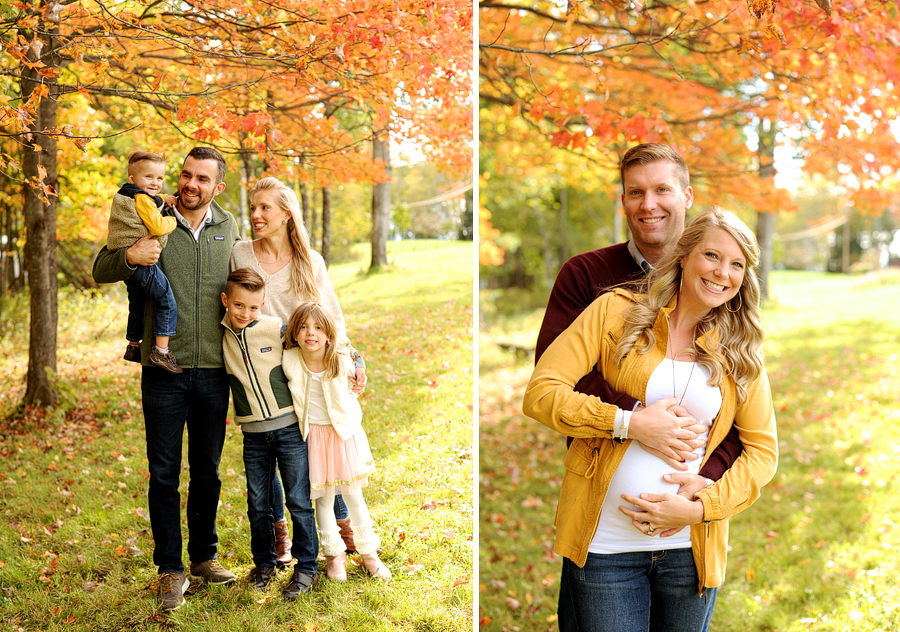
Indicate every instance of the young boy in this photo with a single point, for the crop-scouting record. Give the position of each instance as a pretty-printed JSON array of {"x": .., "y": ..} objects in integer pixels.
[
  {"x": 136, "y": 212},
  {"x": 252, "y": 347}
]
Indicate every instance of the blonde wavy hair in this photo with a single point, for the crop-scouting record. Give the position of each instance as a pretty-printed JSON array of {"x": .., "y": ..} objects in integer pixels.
[
  {"x": 324, "y": 320},
  {"x": 303, "y": 280},
  {"x": 737, "y": 323}
]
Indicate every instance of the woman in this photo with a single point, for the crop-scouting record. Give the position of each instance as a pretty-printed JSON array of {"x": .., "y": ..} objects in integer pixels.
[
  {"x": 294, "y": 274},
  {"x": 696, "y": 336}
]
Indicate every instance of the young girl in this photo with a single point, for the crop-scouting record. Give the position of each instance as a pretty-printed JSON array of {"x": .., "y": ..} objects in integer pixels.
[{"x": 331, "y": 420}]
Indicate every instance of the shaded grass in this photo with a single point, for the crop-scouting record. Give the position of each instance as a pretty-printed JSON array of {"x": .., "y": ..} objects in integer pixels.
[
  {"x": 816, "y": 552},
  {"x": 75, "y": 543}
]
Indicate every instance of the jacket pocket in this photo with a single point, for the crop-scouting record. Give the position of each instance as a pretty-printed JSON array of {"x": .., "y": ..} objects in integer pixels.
[
  {"x": 239, "y": 396},
  {"x": 580, "y": 457},
  {"x": 279, "y": 383}
]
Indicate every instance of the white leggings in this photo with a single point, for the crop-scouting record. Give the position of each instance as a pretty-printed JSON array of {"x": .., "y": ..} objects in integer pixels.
[{"x": 364, "y": 537}]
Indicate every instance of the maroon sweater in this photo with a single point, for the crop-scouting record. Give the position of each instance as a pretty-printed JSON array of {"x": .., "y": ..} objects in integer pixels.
[{"x": 582, "y": 279}]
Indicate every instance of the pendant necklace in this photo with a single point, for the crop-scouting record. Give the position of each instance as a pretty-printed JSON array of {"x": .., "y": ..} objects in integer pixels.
[{"x": 690, "y": 375}]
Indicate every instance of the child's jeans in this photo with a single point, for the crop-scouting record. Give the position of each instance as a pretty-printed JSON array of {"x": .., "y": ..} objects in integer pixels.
[
  {"x": 261, "y": 449},
  {"x": 150, "y": 282}
]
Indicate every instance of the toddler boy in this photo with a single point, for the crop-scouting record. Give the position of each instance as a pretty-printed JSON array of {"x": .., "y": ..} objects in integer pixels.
[{"x": 136, "y": 212}]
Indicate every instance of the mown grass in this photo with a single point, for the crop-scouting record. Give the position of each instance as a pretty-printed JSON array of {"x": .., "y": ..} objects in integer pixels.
[
  {"x": 75, "y": 542},
  {"x": 818, "y": 551}
]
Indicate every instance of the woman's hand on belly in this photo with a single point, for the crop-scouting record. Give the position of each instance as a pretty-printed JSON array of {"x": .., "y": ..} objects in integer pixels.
[
  {"x": 667, "y": 431},
  {"x": 666, "y": 514}
]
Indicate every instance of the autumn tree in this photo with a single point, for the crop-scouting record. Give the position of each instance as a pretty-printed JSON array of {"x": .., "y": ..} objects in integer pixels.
[
  {"x": 272, "y": 78},
  {"x": 577, "y": 85}
]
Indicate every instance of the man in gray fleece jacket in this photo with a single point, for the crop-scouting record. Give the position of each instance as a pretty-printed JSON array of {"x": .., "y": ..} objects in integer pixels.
[{"x": 195, "y": 261}]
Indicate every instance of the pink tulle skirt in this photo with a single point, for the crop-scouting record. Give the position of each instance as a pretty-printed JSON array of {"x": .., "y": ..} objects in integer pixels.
[{"x": 335, "y": 466}]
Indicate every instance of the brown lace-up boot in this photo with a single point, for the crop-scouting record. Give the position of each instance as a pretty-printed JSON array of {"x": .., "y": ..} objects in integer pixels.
[{"x": 282, "y": 544}]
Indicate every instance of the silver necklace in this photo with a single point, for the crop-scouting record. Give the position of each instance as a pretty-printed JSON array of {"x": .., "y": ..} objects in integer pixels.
[{"x": 690, "y": 375}]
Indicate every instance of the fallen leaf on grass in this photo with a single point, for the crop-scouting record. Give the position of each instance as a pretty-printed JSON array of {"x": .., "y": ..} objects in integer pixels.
[
  {"x": 89, "y": 586},
  {"x": 460, "y": 581},
  {"x": 512, "y": 604},
  {"x": 411, "y": 568},
  {"x": 124, "y": 551}
]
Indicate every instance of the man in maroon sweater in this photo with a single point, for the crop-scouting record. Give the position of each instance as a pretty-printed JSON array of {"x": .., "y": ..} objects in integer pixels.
[{"x": 656, "y": 193}]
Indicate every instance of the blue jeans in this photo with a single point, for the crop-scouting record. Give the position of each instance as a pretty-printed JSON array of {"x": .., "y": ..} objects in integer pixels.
[
  {"x": 150, "y": 282},
  {"x": 634, "y": 592},
  {"x": 261, "y": 449},
  {"x": 198, "y": 399},
  {"x": 340, "y": 509}
]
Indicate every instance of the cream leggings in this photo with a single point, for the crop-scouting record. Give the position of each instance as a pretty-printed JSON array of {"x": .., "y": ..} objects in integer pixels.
[{"x": 364, "y": 536}]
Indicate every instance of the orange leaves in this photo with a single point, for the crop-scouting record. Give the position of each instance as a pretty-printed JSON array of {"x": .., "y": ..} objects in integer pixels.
[
  {"x": 758, "y": 7},
  {"x": 773, "y": 31}
]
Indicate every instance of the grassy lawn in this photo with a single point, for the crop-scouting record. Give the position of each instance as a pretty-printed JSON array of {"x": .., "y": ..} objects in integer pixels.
[
  {"x": 75, "y": 542},
  {"x": 818, "y": 551}
]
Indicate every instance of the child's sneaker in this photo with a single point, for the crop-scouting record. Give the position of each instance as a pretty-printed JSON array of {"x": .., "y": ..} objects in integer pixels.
[
  {"x": 164, "y": 360},
  {"x": 133, "y": 353}
]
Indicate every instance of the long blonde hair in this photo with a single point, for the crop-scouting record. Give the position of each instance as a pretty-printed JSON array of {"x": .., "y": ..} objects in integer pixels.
[
  {"x": 324, "y": 320},
  {"x": 737, "y": 323},
  {"x": 303, "y": 280}
]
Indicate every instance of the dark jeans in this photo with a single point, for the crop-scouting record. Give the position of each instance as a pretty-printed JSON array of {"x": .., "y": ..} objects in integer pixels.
[
  {"x": 150, "y": 282},
  {"x": 634, "y": 592},
  {"x": 340, "y": 509},
  {"x": 261, "y": 449},
  {"x": 198, "y": 399}
]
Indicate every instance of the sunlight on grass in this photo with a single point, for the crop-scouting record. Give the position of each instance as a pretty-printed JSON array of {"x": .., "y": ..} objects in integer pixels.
[
  {"x": 75, "y": 543},
  {"x": 817, "y": 551}
]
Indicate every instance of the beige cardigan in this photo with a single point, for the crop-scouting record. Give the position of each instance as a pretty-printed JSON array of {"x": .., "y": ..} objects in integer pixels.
[{"x": 342, "y": 405}]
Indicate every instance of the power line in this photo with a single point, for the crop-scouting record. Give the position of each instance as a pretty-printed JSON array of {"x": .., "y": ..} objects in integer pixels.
[
  {"x": 443, "y": 197},
  {"x": 815, "y": 231}
]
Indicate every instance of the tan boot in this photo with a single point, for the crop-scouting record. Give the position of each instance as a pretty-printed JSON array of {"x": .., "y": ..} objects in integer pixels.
[
  {"x": 335, "y": 567},
  {"x": 282, "y": 544},
  {"x": 375, "y": 566}
]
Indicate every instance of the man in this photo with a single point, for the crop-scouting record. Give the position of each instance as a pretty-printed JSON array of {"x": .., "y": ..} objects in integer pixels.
[
  {"x": 656, "y": 194},
  {"x": 195, "y": 260}
]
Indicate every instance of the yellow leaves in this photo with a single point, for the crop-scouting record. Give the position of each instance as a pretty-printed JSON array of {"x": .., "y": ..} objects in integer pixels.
[
  {"x": 825, "y": 5},
  {"x": 758, "y": 7},
  {"x": 773, "y": 31},
  {"x": 747, "y": 46}
]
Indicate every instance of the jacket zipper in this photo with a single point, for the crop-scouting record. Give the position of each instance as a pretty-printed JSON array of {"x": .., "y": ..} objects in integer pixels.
[{"x": 252, "y": 377}]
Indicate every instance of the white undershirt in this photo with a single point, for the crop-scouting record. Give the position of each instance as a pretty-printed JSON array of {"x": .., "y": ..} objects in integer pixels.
[
  {"x": 317, "y": 412},
  {"x": 641, "y": 472}
]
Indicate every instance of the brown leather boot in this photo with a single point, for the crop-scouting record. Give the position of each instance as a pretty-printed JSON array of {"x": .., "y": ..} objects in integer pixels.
[
  {"x": 347, "y": 535},
  {"x": 282, "y": 544}
]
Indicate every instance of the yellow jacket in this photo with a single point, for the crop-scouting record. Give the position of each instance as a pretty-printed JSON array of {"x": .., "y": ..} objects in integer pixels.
[{"x": 593, "y": 457}]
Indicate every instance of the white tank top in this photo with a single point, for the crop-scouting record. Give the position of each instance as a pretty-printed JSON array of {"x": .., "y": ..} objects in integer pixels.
[{"x": 641, "y": 472}]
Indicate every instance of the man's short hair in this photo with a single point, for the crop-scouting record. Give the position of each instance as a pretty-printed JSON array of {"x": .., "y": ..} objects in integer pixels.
[
  {"x": 208, "y": 153},
  {"x": 140, "y": 156},
  {"x": 247, "y": 278},
  {"x": 647, "y": 153}
]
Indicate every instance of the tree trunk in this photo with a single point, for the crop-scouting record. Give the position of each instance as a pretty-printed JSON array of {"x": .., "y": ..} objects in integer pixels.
[
  {"x": 381, "y": 203},
  {"x": 765, "y": 226},
  {"x": 304, "y": 204},
  {"x": 326, "y": 225},
  {"x": 311, "y": 226},
  {"x": 563, "y": 220},
  {"x": 39, "y": 164},
  {"x": 467, "y": 228},
  {"x": 246, "y": 170}
]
